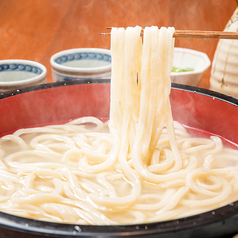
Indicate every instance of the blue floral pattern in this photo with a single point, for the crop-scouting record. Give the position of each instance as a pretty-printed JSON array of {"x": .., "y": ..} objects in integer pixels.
[
  {"x": 83, "y": 56},
  {"x": 20, "y": 67}
]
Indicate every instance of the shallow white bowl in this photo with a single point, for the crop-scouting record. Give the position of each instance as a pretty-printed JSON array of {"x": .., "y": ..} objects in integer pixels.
[
  {"x": 187, "y": 58},
  {"x": 18, "y": 73},
  {"x": 81, "y": 63}
]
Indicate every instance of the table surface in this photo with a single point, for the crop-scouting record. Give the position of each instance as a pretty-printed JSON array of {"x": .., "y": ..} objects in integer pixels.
[{"x": 35, "y": 30}]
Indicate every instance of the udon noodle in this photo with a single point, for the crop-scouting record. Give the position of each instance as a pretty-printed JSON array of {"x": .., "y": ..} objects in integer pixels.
[{"x": 138, "y": 167}]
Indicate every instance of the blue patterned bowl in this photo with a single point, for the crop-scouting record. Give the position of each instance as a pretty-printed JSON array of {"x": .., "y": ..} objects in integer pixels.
[
  {"x": 17, "y": 73},
  {"x": 81, "y": 63}
]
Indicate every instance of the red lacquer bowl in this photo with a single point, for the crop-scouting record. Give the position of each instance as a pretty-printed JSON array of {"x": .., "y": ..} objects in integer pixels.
[{"x": 206, "y": 111}]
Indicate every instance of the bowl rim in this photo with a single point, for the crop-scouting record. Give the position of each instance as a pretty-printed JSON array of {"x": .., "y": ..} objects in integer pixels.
[
  {"x": 67, "y": 69},
  {"x": 203, "y": 55},
  {"x": 39, "y": 77},
  {"x": 32, "y": 226}
]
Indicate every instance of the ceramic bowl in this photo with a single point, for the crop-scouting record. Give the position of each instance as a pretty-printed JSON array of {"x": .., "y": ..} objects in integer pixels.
[
  {"x": 187, "y": 58},
  {"x": 194, "y": 107},
  {"x": 18, "y": 73},
  {"x": 81, "y": 63}
]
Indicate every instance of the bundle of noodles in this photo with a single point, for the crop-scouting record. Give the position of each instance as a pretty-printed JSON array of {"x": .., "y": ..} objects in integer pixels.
[{"x": 140, "y": 88}]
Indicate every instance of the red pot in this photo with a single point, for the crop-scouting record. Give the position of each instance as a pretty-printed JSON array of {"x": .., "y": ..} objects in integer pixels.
[{"x": 53, "y": 103}]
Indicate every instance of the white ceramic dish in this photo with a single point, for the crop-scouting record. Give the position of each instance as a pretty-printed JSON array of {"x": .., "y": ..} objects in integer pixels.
[
  {"x": 18, "y": 73},
  {"x": 187, "y": 58},
  {"x": 81, "y": 63}
]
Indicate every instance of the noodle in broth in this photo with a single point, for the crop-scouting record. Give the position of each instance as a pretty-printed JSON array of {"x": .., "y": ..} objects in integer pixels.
[{"x": 138, "y": 167}]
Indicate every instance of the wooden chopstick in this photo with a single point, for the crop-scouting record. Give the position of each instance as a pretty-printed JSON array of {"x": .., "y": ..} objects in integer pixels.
[
  {"x": 205, "y": 34},
  {"x": 199, "y": 34}
]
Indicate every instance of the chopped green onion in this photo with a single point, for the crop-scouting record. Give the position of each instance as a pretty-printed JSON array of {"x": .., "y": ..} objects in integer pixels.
[{"x": 177, "y": 70}]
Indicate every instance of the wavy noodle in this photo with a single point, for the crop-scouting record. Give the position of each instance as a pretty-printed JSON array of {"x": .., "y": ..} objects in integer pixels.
[
  {"x": 54, "y": 187},
  {"x": 141, "y": 166}
]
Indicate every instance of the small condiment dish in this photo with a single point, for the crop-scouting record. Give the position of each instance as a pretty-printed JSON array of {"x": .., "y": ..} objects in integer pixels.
[
  {"x": 187, "y": 58},
  {"x": 81, "y": 63},
  {"x": 18, "y": 73}
]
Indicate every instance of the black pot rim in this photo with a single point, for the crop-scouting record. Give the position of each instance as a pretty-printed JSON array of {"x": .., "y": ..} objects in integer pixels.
[{"x": 183, "y": 87}]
